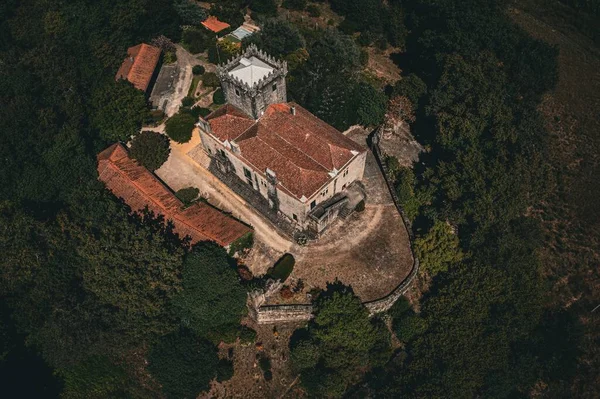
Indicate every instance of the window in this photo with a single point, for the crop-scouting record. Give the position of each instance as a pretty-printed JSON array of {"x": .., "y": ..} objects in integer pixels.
[
  {"x": 346, "y": 173},
  {"x": 209, "y": 150},
  {"x": 222, "y": 153},
  {"x": 237, "y": 92},
  {"x": 325, "y": 192},
  {"x": 313, "y": 204},
  {"x": 274, "y": 87},
  {"x": 295, "y": 217},
  {"x": 247, "y": 173}
]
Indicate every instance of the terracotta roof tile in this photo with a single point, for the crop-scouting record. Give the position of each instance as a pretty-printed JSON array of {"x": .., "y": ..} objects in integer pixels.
[
  {"x": 300, "y": 148},
  {"x": 139, "y": 188},
  {"x": 212, "y": 23},
  {"x": 139, "y": 65}
]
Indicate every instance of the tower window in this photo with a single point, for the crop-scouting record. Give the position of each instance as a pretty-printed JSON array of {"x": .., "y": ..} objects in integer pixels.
[
  {"x": 295, "y": 217},
  {"x": 313, "y": 204},
  {"x": 237, "y": 92},
  {"x": 275, "y": 87}
]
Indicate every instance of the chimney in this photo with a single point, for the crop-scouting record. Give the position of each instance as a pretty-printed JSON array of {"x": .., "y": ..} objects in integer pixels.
[{"x": 293, "y": 110}]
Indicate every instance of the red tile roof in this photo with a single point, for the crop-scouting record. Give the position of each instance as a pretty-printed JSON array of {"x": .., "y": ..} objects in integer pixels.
[
  {"x": 139, "y": 65},
  {"x": 139, "y": 188},
  {"x": 213, "y": 24},
  {"x": 300, "y": 148}
]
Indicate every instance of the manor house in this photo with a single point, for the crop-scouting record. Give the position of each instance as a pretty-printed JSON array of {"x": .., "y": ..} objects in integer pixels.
[{"x": 301, "y": 166}]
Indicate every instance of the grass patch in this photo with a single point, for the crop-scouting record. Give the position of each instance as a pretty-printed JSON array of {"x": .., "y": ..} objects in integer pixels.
[
  {"x": 193, "y": 86},
  {"x": 282, "y": 268}
]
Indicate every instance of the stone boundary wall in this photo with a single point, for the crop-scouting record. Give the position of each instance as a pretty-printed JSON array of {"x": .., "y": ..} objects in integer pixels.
[{"x": 267, "y": 314}]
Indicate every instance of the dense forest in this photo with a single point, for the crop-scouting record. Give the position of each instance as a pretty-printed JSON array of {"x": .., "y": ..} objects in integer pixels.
[{"x": 99, "y": 302}]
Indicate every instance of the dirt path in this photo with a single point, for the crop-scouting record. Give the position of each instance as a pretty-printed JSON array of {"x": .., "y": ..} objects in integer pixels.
[{"x": 181, "y": 171}]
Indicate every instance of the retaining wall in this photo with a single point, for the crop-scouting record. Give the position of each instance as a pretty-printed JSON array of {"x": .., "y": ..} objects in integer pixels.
[{"x": 266, "y": 314}]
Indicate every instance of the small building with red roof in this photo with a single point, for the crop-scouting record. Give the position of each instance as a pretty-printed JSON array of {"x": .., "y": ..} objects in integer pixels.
[
  {"x": 140, "y": 66},
  {"x": 213, "y": 24},
  {"x": 300, "y": 165},
  {"x": 139, "y": 188}
]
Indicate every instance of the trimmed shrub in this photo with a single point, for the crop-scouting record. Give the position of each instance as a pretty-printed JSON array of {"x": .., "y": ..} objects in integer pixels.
[
  {"x": 179, "y": 127},
  {"x": 224, "y": 370},
  {"x": 219, "y": 97},
  {"x": 187, "y": 195},
  {"x": 187, "y": 101},
  {"x": 210, "y": 79},
  {"x": 150, "y": 149},
  {"x": 199, "y": 112},
  {"x": 283, "y": 268},
  {"x": 198, "y": 70}
]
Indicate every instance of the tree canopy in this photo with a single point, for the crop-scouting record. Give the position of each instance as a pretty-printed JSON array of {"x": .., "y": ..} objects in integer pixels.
[
  {"x": 179, "y": 127},
  {"x": 150, "y": 149}
]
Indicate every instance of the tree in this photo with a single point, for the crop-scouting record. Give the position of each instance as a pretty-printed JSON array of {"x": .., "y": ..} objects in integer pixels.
[
  {"x": 96, "y": 377},
  {"x": 410, "y": 86},
  {"x": 219, "y": 97},
  {"x": 150, "y": 149},
  {"x": 438, "y": 249},
  {"x": 277, "y": 38},
  {"x": 210, "y": 79},
  {"x": 183, "y": 364},
  {"x": 179, "y": 127},
  {"x": 370, "y": 104},
  {"x": 340, "y": 343},
  {"x": 299, "y": 5},
  {"x": 196, "y": 40},
  {"x": 198, "y": 70},
  {"x": 266, "y": 7},
  {"x": 190, "y": 12},
  {"x": 119, "y": 110},
  {"x": 212, "y": 297}
]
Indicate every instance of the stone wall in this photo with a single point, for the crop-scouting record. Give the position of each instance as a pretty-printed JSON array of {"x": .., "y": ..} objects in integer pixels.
[{"x": 265, "y": 314}]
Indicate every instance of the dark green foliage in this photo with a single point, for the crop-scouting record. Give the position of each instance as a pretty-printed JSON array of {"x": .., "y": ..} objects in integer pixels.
[
  {"x": 370, "y": 104},
  {"x": 200, "y": 112},
  {"x": 265, "y": 7},
  {"x": 241, "y": 244},
  {"x": 212, "y": 295},
  {"x": 179, "y": 127},
  {"x": 119, "y": 110},
  {"x": 439, "y": 249},
  {"x": 224, "y": 370},
  {"x": 282, "y": 268},
  {"x": 150, "y": 149},
  {"x": 360, "y": 207},
  {"x": 277, "y": 38},
  {"x": 299, "y": 5},
  {"x": 405, "y": 190},
  {"x": 183, "y": 364},
  {"x": 95, "y": 377},
  {"x": 339, "y": 345},
  {"x": 411, "y": 87},
  {"x": 219, "y": 97},
  {"x": 231, "y": 11},
  {"x": 247, "y": 335},
  {"x": 409, "y": 326},
  {"x": 187, "y": 195},
  {"x": 198, "y": 70},
  {"x": 190, "y": 12},
  {"x": 196, "y": 40},
  {"x": 187, "y": 101},
  {"x": 210, "y": 79},
  {"x": 313, "y": 10},
  {"x": 265, "y": 365}
]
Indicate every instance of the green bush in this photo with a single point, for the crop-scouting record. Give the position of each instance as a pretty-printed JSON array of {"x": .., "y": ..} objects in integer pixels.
[
  {"x": 179, "y": 127},
  {"x": 241, "y": 244},
  {"x": 219, "y": 97},
  {"x": 247, "y": 335},
  {"x": 210, "y": 79},
  {"x": 283, "y": 268},
  {"x": 198, "y": 70},
  {"x": 195, "y": 40},
  {"x": 224, "y": 370},
  {"x": 360, "y": 207},
  {"x": 187, "y": 101},
  {"x": 170, "y": 57},
  {"x": 199, "y": 112},
  {"x": 409, "y": 326},
  {"x": 150, "y": 149},
  {"x": 187, "y": 195}
]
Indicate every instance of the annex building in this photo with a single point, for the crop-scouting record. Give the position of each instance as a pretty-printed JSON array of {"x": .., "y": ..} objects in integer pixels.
[
  {"x": 299, "y": 165},
  {"x": 140, "y": 189}
]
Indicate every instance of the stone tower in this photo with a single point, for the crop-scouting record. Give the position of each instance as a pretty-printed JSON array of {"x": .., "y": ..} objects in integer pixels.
[{"x": 253, "y": 80}]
